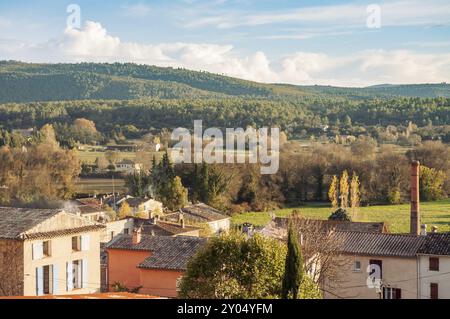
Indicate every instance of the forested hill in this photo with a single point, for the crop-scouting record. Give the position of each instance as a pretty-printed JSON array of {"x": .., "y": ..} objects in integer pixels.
[{"x": 24, "y": 82}]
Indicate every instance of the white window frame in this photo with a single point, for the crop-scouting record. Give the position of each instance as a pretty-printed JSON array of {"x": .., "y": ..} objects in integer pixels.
[{"x": 355, "y": 268}]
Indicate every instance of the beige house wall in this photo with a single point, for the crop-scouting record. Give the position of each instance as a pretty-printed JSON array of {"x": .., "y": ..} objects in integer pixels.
[
  {"x": 396, "y": 272},
  {"x": 61, "y": 253},
  {"x": 441, "y": 277},
  {"x": 115, "y": 228},
  {"x": 219, "y": 225}
]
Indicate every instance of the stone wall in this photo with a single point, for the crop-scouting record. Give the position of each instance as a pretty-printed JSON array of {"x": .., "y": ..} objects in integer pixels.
[{"x": 11, "y": 268}]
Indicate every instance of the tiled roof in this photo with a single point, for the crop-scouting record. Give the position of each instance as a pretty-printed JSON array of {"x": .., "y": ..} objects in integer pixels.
[
  {"x": 395, "y": 245},
  {"x": 64, "y": 232},
  {"x": 175, "y": 229},
  {"x": 370, "y": 227},
  {"x": 436, "y": 244},
  {"x": 89, "y": 209},
  {"x": 135, "y": 202},
  {"x": 16, "y": 221},
  {"x": 198, "y": 213},
  {"x": 171, "y": 253},
  {"x": 161, "y": 228},
  {"x": 88, "y": 201}
]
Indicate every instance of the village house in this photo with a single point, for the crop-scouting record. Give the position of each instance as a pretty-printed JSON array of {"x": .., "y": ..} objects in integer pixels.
[
  {"x": 199, "y": 214},
  {"x": 127, "y": 166},
  {"x": 90, "y": 208},
  {"x": 144, "y": 205},
  {"x": 434, "y": 267},
  {"x": 150, "y": 264},
  {"x": 366, "y": 257},
  {"x": 48, "y": 252}
]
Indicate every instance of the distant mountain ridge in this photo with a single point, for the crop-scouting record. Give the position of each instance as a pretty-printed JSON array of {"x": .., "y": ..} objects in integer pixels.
[{"x": 26, "y": 82}]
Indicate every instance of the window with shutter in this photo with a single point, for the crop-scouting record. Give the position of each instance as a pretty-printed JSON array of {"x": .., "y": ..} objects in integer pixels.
[
  {"x": 46, "y": 248},
  {"x": 76, "y": 243},
  {"x": 434, "y": 264},
  {"x": 85, "y": 242},
  {"x": 37, "y": 250},
  {"x": 39, "y": 281},
  {"x": 55, "y": 279},
  {"x": 85, "y": 273},
  {"x": 434, "y": 291},
  {"x": 69, "y": 276},
  {"x": 48, "y": 279}
]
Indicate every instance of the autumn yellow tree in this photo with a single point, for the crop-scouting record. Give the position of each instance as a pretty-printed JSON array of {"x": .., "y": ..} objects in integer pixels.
[
  {"x": 344, "y": 189},
  {"x": 124, "y": 211},
  {"x": 355, "y": 194},
  {"x": 333, "y": 193}
]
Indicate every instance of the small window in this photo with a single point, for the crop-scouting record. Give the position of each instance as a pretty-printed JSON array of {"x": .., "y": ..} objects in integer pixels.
[
  {"x": 76, "y": 243},
  {"x": 112, "y": 235},
  {"x": 357, "y": 266},
  {"x": 434, "y": 291},
  {"x": 126, "y": 231},
  {"x": 434, "y": 264},
  {"x": 46, "y": 248}
]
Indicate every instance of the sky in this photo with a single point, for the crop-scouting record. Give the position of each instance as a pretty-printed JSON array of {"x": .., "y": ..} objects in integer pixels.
[{"x": 325, "y": 42}]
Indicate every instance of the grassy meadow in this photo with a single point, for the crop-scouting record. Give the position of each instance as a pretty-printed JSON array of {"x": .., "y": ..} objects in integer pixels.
[
  {"x": 395, "y": 216},
  {"x": 99, "y": 185}
]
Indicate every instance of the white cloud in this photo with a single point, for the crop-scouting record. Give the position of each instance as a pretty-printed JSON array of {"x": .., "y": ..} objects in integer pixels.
[{"x": 94, "y": 44}]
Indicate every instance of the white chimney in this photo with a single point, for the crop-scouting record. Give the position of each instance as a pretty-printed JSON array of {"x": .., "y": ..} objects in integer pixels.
[
  {"x": 137, "y": 236},
  {"x": 423, "y": 230}
]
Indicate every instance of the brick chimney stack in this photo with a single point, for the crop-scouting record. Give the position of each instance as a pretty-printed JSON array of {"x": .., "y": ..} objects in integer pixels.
[
  {"x": 415, "y": 202},
  {"x": 137, "y": 236}
]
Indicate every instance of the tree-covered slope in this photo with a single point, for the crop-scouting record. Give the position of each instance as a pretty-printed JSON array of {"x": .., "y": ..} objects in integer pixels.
[{"x": 25, "y": 82}]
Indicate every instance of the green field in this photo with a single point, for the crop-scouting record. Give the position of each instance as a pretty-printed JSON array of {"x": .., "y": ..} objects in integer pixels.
[
  {"x": 100, "y": 185},
  {"x": 89, "y": 157},
  {"x": 395, "y": 216}
]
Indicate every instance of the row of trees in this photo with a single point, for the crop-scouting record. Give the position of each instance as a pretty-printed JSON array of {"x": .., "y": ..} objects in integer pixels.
[
  {"x": 342, "y": 195},
  {"x": 305, "y": 116}
]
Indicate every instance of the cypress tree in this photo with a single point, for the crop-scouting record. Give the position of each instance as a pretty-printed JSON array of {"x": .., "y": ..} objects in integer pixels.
[{"x": 293, "y": 274}]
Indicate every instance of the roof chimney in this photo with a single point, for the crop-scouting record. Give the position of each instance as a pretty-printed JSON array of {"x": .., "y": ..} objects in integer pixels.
[
  {"x": 182, "y": 223},
  {"x": 415, "y": 204},
  {"x": 137, "y": 236},
  {"x": 423, "y": 230}
]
